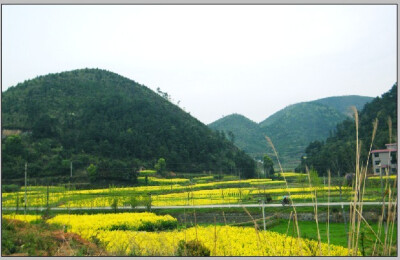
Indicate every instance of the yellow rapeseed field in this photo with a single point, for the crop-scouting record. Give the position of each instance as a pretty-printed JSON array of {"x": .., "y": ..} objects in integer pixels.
[
  {"x": 89, "y": 225},
  {"x": 26, "y": 218},
  {"x": 220, "y": 240}
]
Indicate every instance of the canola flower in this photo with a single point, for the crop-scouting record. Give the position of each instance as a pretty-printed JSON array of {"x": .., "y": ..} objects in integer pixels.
[
  {"x": 293, "y": 174},
  {"x": 163, "y": 195},
  {"x": 302, "y": 196},
  {"x": 220, "y": 240},
  {"x": 302, "y": 189},
  {"x": 26, "y": 218},
  {"x": 391, "y": 177},
  {"x": 204, "y": 178},
  {"x": 89, "y": 225},
  {"x": 160, "y": 181},
  {"x": 147, "y": 172}
]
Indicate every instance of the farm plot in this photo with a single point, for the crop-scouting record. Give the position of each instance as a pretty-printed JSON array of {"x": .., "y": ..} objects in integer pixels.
[
  {"x": 181, "y": 191},
  {"x": 120, "y": 235}
]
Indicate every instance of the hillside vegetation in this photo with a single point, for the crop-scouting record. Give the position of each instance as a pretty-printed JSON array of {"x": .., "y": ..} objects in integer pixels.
[
  {"x": 290, "y": 129},
  {"x": 337, "y": 153},
  {"x": 93, "y": 116},
  {"x": 243, "y": 132}
]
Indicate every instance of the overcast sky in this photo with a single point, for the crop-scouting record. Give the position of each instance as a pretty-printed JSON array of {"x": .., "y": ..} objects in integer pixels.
[{"x": 215, "y": 60}]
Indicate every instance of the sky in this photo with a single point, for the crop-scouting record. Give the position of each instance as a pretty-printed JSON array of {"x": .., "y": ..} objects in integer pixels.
[{"x": 215, "y": 60}]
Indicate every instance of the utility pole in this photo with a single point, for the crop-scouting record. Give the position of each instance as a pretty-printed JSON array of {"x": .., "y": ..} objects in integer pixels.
[
  {"x": 263, "y": 208},
  {"x": 26, "y": 167},
  {"x": 71, "y": 169}
]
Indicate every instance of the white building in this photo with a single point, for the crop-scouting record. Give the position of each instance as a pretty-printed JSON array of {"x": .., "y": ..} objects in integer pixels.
[{"x": 385, "y": 159}]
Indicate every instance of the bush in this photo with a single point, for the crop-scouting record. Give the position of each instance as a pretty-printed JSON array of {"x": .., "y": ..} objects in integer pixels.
[
  {"x": 268, "y": 198},
  {"x": 114, "y": 204},
  {"x": 10, "y": 188},
  {"x": 158, "y": 226},
  {"x": 146, "y": 201},
  {"x": 192, "y": 248},
  {"x": 133, "y": 202}
]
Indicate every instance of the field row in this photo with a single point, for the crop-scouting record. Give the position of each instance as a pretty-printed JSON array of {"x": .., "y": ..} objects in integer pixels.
[
  {"x": 120, "y": 235},
  {"x": 181, "y": 191}
]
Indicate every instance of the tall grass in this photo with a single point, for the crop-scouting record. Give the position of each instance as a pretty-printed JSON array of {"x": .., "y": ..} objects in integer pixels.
[
  {"x": 387, "y": 220},
  {"x": 288, "y": 191},
  {"x": 382, "y": 248},
  {"x": 315, "y": 202}
]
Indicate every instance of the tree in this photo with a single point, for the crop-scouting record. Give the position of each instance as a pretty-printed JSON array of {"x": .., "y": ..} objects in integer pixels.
[
  {"x": 92, "y": 172},
  {"x": 45, "y": 126},
  {"x": 231, "y": 136},
  {"x": 268, "y": 165},
  {"x": 161, "y": 166},
  {"x": 14, "y": 146}
]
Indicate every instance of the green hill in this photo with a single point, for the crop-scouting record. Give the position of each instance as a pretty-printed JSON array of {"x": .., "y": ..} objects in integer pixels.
[
  {"x": 93, "y": 116},
  {"x": 337, "y": 153},
  {"x": 246, "y": 133},
  {"x": 296, "y": 126},
  {"x": 343, "y": 103},
  {"x": 290, "y": 129}
]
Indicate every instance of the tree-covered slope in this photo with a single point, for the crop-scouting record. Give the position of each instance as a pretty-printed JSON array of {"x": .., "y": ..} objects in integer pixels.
[
  {"x": 291, "y": 129},
  {"x": 93, "y": 116},
  {"x": 244, "y": 133},
  {"x": 337, "y": 153},
  {"x": 297, "y": 125},
  {"x": 343, "y": 104}
]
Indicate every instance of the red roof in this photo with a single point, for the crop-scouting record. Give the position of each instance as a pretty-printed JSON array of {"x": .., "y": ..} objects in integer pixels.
[{"x": 383, "y": 151}]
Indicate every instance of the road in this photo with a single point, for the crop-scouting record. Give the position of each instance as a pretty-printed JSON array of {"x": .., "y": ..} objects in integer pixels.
[{"x": 206, "y": 206}]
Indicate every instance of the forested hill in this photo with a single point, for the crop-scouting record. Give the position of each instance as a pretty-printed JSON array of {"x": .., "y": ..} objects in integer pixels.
[
  {"x": 243, "y": 132},
  {"x": 337, "y": 153},
  {"x": 93, "y": 116},
  {"x": 291, "y": 129},
  {"x": 342, "y": 104}
]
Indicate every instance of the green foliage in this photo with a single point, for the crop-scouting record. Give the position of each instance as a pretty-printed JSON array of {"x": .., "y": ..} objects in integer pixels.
[
  {"x": 152, "y": 226},
  {"x": 93, "y": 116},
  {"x": 314, "y": 179},
  {"x": 10, "y": 188},
  {"x": 92, "y": 172},
  {"x": 337, "y": 153},
  {"x": 161, "y": 166},
  {"x": 133, "y": 202},
  {"x": 245, "y": 133},
  {"x": 290, "y": 129},
  {"x": 192, "y": 248},
  {"x": 114, "y": 204},
  {"x": 342, "y": 103},
  {"x": 146, "y": 201},
  {"x": 268, "y": 166}
]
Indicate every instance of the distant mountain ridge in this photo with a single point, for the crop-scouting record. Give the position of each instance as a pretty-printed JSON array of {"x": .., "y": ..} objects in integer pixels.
[
  {"x": 343, "y": 103},
  {"x": 290, "y": 129}
]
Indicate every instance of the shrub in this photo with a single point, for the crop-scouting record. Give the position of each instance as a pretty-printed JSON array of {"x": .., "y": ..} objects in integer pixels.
[
  {"x": 192, "y": 248},
  {"x": 158, "y": 225},
  {"x": 268, "y": 198},
  {"x": 10, "y": 188},
  {"x": 133, "y": 202},
  {"x": 146, "y": 201},
  {"x": 114, "y": 204}
]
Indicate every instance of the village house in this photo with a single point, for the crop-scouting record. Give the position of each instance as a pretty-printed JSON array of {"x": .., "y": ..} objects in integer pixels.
[{"x": 385, "y": 159}]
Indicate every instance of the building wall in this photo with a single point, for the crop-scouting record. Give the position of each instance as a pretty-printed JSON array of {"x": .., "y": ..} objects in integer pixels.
[{"x": 384, "y": 159}]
